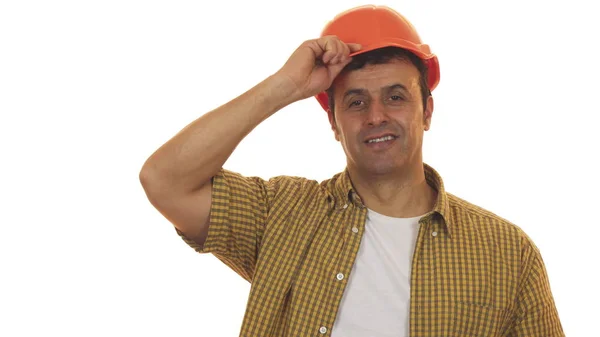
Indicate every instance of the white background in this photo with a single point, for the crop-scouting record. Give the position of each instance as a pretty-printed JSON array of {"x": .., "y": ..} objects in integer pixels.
[{"x": 89, "y": 89}]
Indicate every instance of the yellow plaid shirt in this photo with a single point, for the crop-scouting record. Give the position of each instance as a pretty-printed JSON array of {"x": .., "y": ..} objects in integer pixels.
[{"x": 473, "y": 273}]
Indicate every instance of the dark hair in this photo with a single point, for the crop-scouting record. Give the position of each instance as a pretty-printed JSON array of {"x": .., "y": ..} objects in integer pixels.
[{"x": 382, "y": 56}]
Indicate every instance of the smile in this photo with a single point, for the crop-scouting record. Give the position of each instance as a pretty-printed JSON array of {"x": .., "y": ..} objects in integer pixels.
[{"x": 380, "y": 139}]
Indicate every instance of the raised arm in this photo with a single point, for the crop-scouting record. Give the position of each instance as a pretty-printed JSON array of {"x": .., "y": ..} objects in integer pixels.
[{"x": 177, "y": 176}]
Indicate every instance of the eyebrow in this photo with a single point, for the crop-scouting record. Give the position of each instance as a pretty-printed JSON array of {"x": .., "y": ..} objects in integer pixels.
[{"x": 358, "y": 91}]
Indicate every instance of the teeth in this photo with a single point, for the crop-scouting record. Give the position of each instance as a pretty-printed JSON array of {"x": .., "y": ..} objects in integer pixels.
[{"x": 382, "y": 139}]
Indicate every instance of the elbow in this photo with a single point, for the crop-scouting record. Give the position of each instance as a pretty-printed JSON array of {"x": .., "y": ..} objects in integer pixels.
[
  {"x": 145, "y": 175},
  {"x": 148, "y": 177},
  {"x": 155, "y": 182},
  {"x": 151, "y": 186}
]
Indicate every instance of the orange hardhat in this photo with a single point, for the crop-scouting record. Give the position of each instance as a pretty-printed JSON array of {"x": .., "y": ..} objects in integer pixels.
[{"x": 375, "y": 27}]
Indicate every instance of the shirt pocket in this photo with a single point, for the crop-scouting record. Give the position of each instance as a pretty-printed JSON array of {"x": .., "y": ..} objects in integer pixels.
[{"x": 474, "y": 320}]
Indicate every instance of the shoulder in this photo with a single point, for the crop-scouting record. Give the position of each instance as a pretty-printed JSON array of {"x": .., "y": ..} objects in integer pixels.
[
  {"x": 286, "y": 180},
  {"x": 469, "y": 217},
  {"x": 279, "y": 184}
]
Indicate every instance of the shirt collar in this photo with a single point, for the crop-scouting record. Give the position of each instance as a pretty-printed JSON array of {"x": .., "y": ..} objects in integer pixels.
[{"x": 344, "y": 193}]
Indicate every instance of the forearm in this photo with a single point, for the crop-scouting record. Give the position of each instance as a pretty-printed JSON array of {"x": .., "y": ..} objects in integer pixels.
[{"x": 194, "y": 155}]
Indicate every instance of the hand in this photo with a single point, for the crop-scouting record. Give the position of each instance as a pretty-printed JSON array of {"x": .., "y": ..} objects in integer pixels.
[{"x": 314, "y": 65}]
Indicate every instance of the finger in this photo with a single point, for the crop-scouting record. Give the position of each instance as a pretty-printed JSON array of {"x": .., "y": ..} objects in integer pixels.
[
  {"x": 347, "y": 48},
  {"x": 354, "y": 47},
  {"x": 329, "y": 47},
  {"x": 346, "y": 61},
  {"x": 330, "y": 54},
  {"x": 336, "y": 69},
  {"x": 345, "y": 52},
  {"x": 339, "y": 55}
]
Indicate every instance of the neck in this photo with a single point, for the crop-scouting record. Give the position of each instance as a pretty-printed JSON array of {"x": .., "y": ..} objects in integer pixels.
[{"x": 402, "y": 194}]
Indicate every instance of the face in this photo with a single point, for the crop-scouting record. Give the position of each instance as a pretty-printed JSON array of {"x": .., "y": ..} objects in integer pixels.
[{"x": 380, "y": 118}]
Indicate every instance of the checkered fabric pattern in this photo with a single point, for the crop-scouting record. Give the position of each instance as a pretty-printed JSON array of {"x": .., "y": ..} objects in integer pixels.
[{"x": 473, "y": 272}]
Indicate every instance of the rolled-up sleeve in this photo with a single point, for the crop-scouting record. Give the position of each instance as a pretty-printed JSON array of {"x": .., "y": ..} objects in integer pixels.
[{"x": 238, "y": 214}]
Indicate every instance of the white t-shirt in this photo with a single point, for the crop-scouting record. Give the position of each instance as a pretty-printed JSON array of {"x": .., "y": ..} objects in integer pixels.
[{"x": 376, "y": 301}]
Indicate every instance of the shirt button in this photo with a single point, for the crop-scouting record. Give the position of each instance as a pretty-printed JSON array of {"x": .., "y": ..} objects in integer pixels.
[
  {"x": 355, "y": 230},
  {"x": 434, "y": 233},
  {"x": 323, "y": 330},
  {"x": 340, "y": 276}
]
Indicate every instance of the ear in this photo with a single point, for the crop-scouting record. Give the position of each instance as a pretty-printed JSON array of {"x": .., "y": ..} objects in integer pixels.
[
  {"x": 333, "y": 125},
  {"x": 428, "y": 113}
]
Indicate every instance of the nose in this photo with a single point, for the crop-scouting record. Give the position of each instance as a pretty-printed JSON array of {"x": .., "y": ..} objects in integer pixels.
[{"x": 376, "y": 114}]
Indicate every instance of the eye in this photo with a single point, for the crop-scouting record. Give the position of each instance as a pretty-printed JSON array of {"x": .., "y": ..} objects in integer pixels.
[
  {"x": 355, "y": 103},
  {"x": 396, "y": 98}
]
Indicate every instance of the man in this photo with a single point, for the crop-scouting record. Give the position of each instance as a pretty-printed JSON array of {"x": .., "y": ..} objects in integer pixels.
[{"x": 380, "y": 249}]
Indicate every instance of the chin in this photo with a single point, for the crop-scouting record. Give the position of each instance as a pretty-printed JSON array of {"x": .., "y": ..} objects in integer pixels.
[
  {"x": 380, "y": 168},
  {"x": 382, "y": 164}
]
